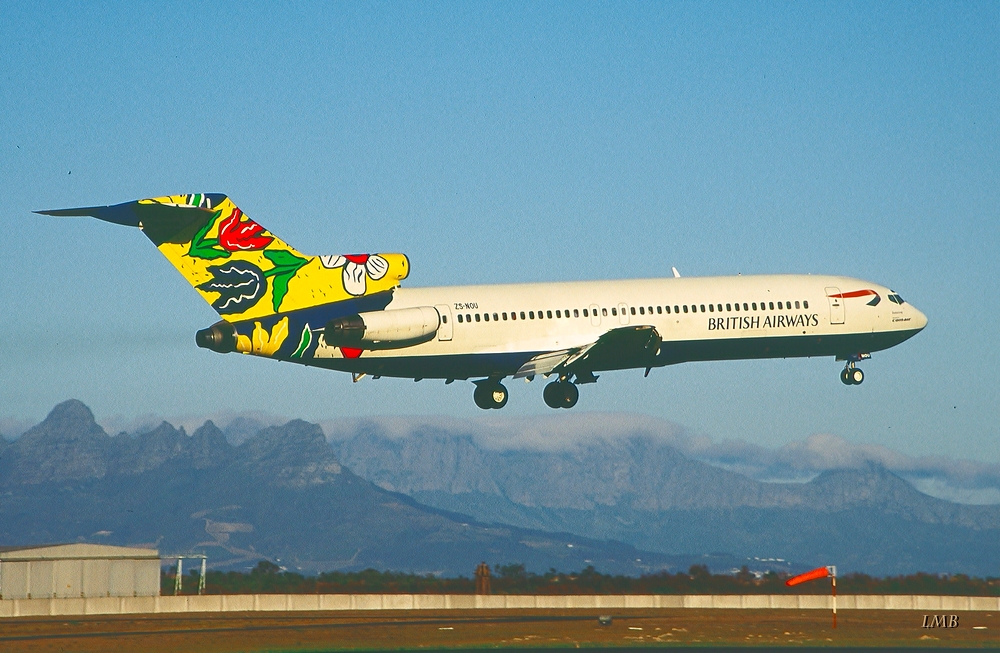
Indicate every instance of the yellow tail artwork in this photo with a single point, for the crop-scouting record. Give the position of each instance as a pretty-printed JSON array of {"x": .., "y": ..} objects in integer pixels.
[{"x": 266, "y": 291}]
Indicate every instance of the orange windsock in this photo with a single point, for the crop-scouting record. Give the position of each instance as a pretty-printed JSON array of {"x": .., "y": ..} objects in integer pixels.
[{"x": 815, "y": 574}]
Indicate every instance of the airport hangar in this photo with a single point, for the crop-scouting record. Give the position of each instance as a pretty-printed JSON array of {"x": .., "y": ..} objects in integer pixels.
[{"x": 78, "y": 571}]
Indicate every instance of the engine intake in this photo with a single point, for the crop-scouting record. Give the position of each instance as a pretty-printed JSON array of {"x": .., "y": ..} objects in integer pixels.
[
  {"x": 391, "y": 329},
  {"x": 220, "y": 337}
]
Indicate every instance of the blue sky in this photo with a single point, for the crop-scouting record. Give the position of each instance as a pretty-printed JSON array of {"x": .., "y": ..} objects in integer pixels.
[{"x": 512, "y": 142}]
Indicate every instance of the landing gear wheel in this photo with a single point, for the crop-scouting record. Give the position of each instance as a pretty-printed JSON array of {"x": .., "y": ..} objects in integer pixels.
[
  {"x": 571, "y": 394},
  {"x": 561, "y": 394},
  {"x": 857, "y": 376},
  {"x": 845, "y": 376},
  {"x": 490, "y": 395}
]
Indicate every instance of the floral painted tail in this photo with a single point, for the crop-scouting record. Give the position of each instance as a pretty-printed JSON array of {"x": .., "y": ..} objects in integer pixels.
[{"x": 240, "y": 268}]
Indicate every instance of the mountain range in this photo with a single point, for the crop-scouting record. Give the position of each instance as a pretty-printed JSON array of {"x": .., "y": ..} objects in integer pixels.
[
  {"x": 643, "y": 491},
  {"x": 281, "y": 494},
  {"x": 437, "y": 500}
]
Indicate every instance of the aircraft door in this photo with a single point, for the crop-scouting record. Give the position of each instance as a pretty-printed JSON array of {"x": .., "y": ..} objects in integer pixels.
[
  {"x": 595, "y": 316},
  {"x": 445, "y": 329},
  {"x": 623, "y": 313},
  {"x": 836, "y": 305}
]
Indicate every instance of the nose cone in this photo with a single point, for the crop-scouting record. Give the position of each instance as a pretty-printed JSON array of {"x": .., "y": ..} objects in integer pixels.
[{"x": 919, "y": 319}]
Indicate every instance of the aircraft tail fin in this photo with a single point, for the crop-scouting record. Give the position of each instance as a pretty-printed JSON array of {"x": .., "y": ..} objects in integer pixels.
[{"x": 237, "y": 266}]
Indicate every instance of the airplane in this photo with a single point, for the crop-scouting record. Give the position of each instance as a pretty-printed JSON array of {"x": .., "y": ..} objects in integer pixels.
[{"x": 349, "y": 313}]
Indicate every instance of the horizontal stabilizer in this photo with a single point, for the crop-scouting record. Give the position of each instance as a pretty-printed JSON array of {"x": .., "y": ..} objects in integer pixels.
[{"x": 161, "y": 221}]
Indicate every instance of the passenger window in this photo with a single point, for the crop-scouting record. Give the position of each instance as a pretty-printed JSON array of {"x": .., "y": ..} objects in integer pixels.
[
  {"x": 576, "y": 312},
  {"x": 444, "y": 319},
  {"x": 805, "y": 304},
  {"x": 468, "y": 318},
  {"x": 477, "y": 317},
  {"x": 737, "y": 307},
  {"x": 486, "y": 317},
  {"x": 558, "y": 313},
  {"x": 614, "y": 311},
  {"x": 796, "y": 304},
  {"x": 632, "y": 310},
  {"x": 496, "y": 318},
  {"x": 513, "y": 315},
  {"x": 642, "y": 311},
  {"x": 531, "y": 314},
  {"x": 771, "y": 306},
  {"x": 685, "y": 308},
  {"x": 711, "y": 308},
  {"x": 668, "y": 310},
  {"x": 754, "y": 305},
  {"x": 548, "y": 314},
  {"x": 504, "y": 317},
  {"x": 729, "y": 307},
  {"x": 566, "y": 313},
  {"x": 522, "y": 315},
  {"x": 585, "y": 313},
  {"x": 459, "y": 318},
  {"x": 604, "y": 312},
  {"x": 747, "y": 309},
  {"x": 659, "y": 310},
  {"x": 779, "y": 306},
  {"x": 702, "y": 308}
]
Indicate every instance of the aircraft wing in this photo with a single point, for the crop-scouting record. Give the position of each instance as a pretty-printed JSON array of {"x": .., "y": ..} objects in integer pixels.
[{"x": 631, "y": 346}]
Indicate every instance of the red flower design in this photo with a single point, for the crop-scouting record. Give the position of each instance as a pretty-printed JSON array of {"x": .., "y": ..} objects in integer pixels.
[{"x": 241, "y": 235}]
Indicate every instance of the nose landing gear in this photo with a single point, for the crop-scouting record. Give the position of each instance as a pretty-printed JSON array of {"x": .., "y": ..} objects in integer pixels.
[
  {"x": 561, "y": 394},
  {"x": 852, "y": 375}
]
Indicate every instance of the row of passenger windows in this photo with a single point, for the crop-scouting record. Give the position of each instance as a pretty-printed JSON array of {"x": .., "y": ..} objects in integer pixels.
[{"x": 642, "y": 310}]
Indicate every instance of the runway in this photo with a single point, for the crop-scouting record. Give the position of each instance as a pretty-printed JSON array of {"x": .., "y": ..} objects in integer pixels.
[{"x": 440, "y": 629}]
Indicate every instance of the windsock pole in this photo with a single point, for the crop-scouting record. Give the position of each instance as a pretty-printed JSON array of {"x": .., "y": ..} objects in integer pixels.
[
  {"x": 833, "y": 584},
  {"x": 816, "y": 574}
]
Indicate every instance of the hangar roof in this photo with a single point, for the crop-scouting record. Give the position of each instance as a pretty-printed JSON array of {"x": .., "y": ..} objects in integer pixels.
[{"x": 75, "y": 551}]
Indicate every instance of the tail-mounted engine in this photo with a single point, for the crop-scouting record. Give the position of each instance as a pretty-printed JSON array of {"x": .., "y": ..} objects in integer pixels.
[
  {"x": 220, "y": 337},
  {"x": 390, "y": 329}
]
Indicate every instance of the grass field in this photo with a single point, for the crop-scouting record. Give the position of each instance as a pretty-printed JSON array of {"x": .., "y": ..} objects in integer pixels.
[{"x": 484, "y": 628}]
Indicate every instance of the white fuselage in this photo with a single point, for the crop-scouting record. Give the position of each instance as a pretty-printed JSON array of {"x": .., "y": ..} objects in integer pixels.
[{"x": 492, "y": 330}]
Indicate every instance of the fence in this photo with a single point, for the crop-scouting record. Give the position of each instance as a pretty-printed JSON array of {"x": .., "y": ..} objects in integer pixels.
[{"x": 344, "y": 602}]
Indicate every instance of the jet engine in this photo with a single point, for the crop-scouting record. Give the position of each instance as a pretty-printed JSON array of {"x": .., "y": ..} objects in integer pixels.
[
  {"x": 220, "y": 337},
  {"x": 390, "y": 329}
]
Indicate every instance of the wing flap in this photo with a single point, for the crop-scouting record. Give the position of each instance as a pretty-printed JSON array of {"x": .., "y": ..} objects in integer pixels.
[{"x": 632, "y": 346}]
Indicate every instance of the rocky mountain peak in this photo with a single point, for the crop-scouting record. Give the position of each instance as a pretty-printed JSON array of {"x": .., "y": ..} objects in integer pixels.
[
  {"x": 295, "y": 454},
  {"x": 67, "y": 445},
  {"x": 208, "y": 446}
]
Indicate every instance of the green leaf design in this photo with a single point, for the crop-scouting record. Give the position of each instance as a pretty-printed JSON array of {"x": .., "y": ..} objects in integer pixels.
[
  {"x": 206, "y": 248},
  {"x": 286, "y": 265},
  {"x": 304, "y": 342}
]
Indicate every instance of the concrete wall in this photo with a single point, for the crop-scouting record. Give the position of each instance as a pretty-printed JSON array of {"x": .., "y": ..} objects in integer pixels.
[{"x": 334, "y": 602}]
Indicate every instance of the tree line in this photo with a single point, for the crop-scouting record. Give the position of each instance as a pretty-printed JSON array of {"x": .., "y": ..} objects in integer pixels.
[{"x": 269, "y": 578}]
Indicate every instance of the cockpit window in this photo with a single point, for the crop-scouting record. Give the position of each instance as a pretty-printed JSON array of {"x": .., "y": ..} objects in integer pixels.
[{"x": 895, "y": 298}]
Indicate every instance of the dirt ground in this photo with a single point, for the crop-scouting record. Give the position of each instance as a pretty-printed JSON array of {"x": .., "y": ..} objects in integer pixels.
[{"x": 218, "y": 633}]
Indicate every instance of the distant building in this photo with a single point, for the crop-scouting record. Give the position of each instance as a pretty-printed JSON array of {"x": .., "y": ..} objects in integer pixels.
[{"x": 78, "y": 571}]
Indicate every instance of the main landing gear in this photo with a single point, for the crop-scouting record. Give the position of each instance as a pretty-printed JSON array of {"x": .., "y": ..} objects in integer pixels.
[
  {"x": 852, "y": 375},
  {"x": 561, "y": 394},
  {"x": 490, "y": 394}
]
